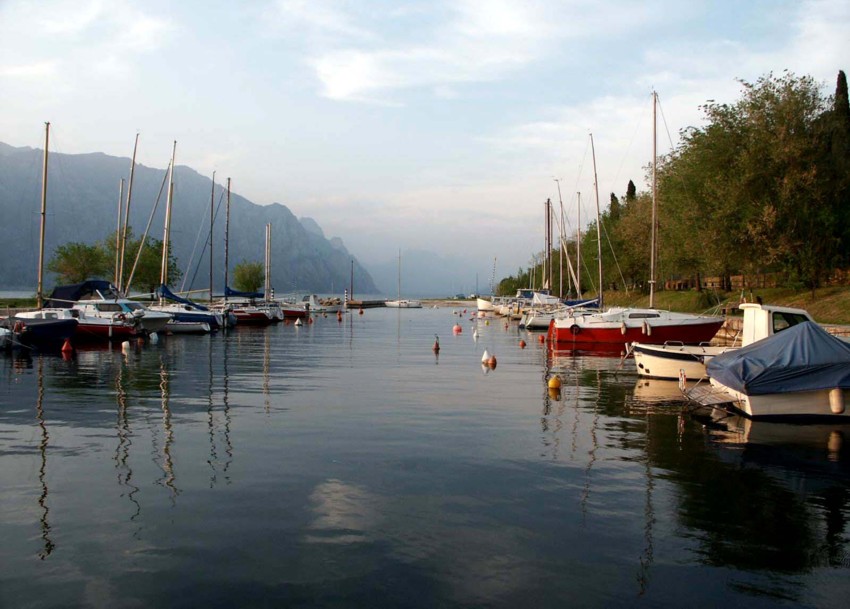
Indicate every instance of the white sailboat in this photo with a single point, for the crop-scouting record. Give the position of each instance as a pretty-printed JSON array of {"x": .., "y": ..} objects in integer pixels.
[{"x": 401, "y": 303}]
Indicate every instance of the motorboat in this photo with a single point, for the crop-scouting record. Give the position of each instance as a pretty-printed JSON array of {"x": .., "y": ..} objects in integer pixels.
[
  {"x": 674, "y": 358},
  {"x": 322, "y": 305},
  {"x": 104, "y": 312},
  {"x": 404, "y": 304},
  {"x": 38, "y": 329},
  {"x": 801, "y": 372},
  {"x": 622, "y": 325}
]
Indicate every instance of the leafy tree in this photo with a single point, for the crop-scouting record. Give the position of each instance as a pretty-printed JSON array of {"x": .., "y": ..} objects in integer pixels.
[
  {"x": 75, "y": 262},
  {"x": 148, "y": 272},
  {"x": 249, "y": 276}
]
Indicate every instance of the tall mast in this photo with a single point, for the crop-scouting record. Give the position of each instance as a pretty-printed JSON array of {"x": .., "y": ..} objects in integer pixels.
[
  {"x": 268, "y": 283},
  {"x": 547, "y": 260},
  {"x": 399, "y": 274},
  {"x": 226, "y": 236},
  {"x": 212, "y": 219},
  {"x": 166, "y": 234},
  {"x": 578, "y": 248},
  {"x": 115, "y": 275},
  {"x": 120, "y": 284},
  {"x": 598, "y": 221},
  {"x": 40, "y": 289},
  {"x": 654, "y": 241}
]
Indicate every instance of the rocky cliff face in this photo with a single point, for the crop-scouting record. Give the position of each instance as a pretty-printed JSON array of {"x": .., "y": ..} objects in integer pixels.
[{"x": 82, "y": 206}]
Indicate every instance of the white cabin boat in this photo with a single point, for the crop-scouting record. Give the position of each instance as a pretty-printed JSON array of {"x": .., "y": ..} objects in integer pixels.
[{"x": 672, "y": 360}]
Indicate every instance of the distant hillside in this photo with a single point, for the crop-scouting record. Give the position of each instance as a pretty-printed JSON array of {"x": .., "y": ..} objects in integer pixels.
[
  {"x": 82, "y": 206},
  {"x": 425, "y": 274}
]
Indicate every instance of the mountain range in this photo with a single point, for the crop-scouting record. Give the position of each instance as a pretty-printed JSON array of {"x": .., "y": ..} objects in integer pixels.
[{"x": 82, "y": 206}]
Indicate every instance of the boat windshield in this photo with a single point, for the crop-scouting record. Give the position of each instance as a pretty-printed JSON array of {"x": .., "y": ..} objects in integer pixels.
[{"x": 784, "y": 320}]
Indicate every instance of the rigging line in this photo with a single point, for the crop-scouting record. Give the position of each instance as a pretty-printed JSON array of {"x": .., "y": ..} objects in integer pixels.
[
  {"x": 614, "y": 254},
  {"x": 147, "y": 228},
  {"x": 206, "y": 242},
  {"x": 192, "y": 256}
]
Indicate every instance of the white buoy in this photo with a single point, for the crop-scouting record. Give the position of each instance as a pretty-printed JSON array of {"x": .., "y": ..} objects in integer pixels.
[
  {"x": 486, "y": 357},
  {"x": 154, "y": 338},
  {"x": 298, "y": 322},
  {"x": 475, "y": 334}
]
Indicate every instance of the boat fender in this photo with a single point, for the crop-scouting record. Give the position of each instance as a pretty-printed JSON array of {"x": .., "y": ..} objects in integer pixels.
[
  {"x": 836, "y": 400},
  {"x": 646, "y": 328},
  {"x": 574, "y": 329},
  {"x": 623, "y": 328},
  {"x": 18, "y": 327}
]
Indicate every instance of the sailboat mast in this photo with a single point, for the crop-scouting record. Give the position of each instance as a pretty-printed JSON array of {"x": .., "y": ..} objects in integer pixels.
[
  {"x": 399, "y": 274},
  {"x": 115, "y": 274},
  {"x": 268, "y": 283},
  {"x": 212, "y": 220},
  {"x": 40, "y": 289},
  {"x": 120, "y": 283},
  {"x": 166, "y": 233},
  {"x": 654, "y": 240},
  {"x": 578, "y": 248},
  {"x": 226, "y": 236},
  {"x": 598, "y": 221}
]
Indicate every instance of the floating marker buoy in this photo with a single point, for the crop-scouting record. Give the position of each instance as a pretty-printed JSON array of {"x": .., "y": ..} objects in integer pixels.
[
  {"x": 475, "y": 334},
  {"x": 487, "y": 322},
  {"x": 360, "y": 311},
  {"x": 541, "y": 338},
  {"x": 436, "y": 347},
  {"x": 309, "y": 320},
  {"x": 492, "y": 362},
  {"x": 67, "y": 347},
  {"x": 339, "y": 315},
  {"x": 154, "y": 338},
  {"x": 298, "y": 322},
  {"x": 555, "y": 394},
  {"x": 125, "y": 346},
  {"x": 555, "y": 382},
  {"x": 522, "y": 344},
  {"x": 457, "y": 329},
  {"x": 464, "y": 311},
  {"x": 486, "y": 357}
]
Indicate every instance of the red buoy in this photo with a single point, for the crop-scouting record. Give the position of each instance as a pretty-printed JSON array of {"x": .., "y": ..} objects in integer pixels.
[
  {"x": 67, "y": 347},
  {"x": 522, "y": 344},
  {"x": 541, "y": 339}
]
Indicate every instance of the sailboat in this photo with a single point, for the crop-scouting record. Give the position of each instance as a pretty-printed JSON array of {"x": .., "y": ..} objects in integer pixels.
[
  {"x": 619, "y": 325},
  {"x": 400, "y": 303}
]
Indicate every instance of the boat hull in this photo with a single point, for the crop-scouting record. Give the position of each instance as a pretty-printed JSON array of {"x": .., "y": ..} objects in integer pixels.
[
  {"x": 693, "y": 333},
  {"x": 672, "y": 361}
]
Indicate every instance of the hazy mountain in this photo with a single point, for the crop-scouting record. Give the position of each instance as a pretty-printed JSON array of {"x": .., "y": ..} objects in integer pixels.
[
  {"x": 82, "y": 206},
  {"x": 426, "y": 274}
]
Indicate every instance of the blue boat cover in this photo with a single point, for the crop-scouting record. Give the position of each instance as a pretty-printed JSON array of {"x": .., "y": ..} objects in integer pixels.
[
  {"x": 164, "y": 292},
  {"x": 804, "y": 357},
  {"x": 229, "y": 292},
  {"x": 64, "y": 296}
]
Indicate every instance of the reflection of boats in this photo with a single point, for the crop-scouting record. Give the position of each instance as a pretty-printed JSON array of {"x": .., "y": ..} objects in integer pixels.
[
  {"x": 669, "y": 359},
  {"x": 652, "y": 390},
  {"x": 801, "y": 372}
]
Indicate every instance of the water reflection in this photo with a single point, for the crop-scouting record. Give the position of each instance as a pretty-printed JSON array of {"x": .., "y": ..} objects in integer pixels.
[{"x": 42, "y": 470}]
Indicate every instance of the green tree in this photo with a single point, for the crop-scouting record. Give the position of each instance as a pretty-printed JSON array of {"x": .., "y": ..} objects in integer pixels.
[
  {"x": 249, "y": 276},
  {"x": 148, "y": 271},
  {"x": 76, "y": 262}
]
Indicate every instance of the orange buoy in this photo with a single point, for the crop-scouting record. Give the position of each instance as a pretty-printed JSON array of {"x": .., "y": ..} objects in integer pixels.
[
  {"x": 555, "y": 382},
  {"x": 492, "y": 362},
  {"x": 522, "y": 344},
  {"x": 67, "y": 347},
  {"x": 457, "y": 329}
]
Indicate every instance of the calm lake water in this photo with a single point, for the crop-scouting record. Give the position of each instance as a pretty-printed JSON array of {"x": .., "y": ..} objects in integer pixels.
[{"x": 344, "y": 465}]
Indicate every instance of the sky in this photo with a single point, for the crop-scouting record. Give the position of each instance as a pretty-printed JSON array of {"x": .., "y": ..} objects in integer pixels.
[{"x": 420, "y": 125}]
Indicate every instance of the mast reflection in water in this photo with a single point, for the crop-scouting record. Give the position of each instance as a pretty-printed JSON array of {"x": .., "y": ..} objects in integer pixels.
[{"x": 335, "y": 465}]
